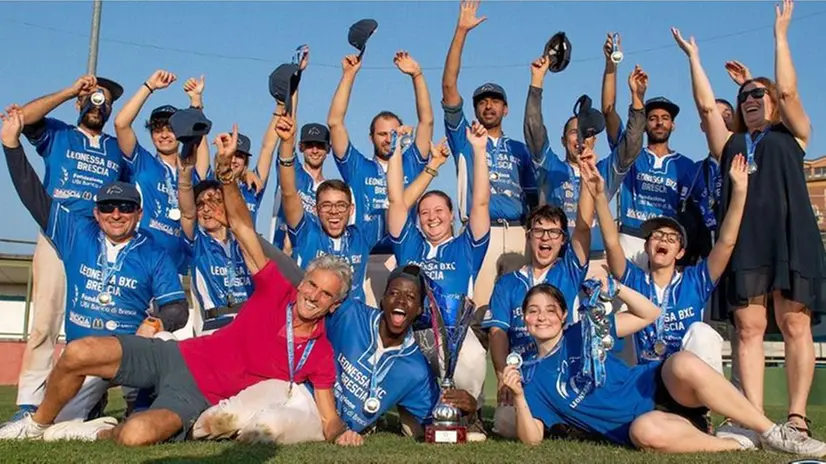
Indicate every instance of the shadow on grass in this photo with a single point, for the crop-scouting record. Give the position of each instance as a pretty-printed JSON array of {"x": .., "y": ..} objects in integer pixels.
[{"x": 238, "y": 452}]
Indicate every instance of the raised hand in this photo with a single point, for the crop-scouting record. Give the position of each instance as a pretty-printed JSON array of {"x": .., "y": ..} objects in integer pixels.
[
  {"x": 161, "y": 79},
  {"x": 12, "y": 126},
  {"x": 407, "y": 64},
  {"x": 351, "y": 64},
  {"x": 739, "y": 172},
  {"x": 460, "y": 399},
  {"x": 438, "y": 153},
  {"x": 638, "y": 82},
  {"x": 738, "y": 72},
  {"x": 467, "y": 15},
  {"x": 783, "y": 17},
  {"x": 512, "y": 379},
  {"x": 194, "y": 87},
  {"x": 253, "y": 182},
  {"x": 689, "y": 47},
  {"x": 285, "y": 127},
  {"x": 305, "y": 60},
  {"x": 608, "y": 47},
  {"x": 226, "y": 144},
  {"x": 84, "y": 85},
  {"x": 477, "y": 135},
  {"x": 591, "y": 178},
  {"x": 215, "y": 202},
  {"x": 539, "y": 67}
]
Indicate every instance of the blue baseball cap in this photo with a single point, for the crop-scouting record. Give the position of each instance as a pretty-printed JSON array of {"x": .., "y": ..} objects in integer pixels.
[
  {"x": 118, "y": 191},
  {"x": 489, "y": 89},
  {"x": 189, "y": 124},
  {"x": 164, "y": 111},
  {"x": 314, "y": 132},
  {"x": 244, "y": 145},
  {"x": 662, "y": 103}
]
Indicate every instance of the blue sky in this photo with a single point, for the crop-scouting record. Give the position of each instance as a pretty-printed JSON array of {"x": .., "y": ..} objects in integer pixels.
[{"x": 236, "y": 45}]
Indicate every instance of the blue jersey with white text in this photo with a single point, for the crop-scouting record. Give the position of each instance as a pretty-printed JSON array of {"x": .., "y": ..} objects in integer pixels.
[
  {"x": 453, "y": 264},
  {"x": 141, "y": 272},
  {"x": 157, "y": 183},
  {"x": 706, "y": 189},
  {"x": 310, "y": 241},
  {"x": 682, "y": 301},
  {"x": 402, "y": 374},
  {"x": 557, "y": 391},
  {"x": 77, "y": 165},
  {"x": 505, "y": 311}
]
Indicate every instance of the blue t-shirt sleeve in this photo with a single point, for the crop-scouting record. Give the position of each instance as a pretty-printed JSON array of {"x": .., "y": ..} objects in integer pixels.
[
  {"x": 43, "y": 143},
  {"x": 406, "y": 244},
  {"x": 350, "y": 165},
  {"x": 610, "y": 170},
  {"x": 701, "y": 279},
  {"x": 166, "y": 285},
  {"x": 303, "y": 230},
  {"x": 540, "y": 408},
  {"x": 634, "y": 277},
  {"x": 65, "y": 227},
  {"x": 422, "y": 397},
  {"x": 614, "y": 140},
  {"x": 527, "y": 175},
  {"x": 478, "y": 248},
  {"x": 260, "y": 195},
  {"x": 500, "y": 306},
  {"x": 371, "y": 231},
  {"x": 137, "y": 163},
  {"x": 455, "y": 127},
  {"x": 413, "y": 163}
]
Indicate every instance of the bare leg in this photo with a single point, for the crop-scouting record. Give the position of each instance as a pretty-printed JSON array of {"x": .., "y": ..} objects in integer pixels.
[
  {"x": 795, "y": 323},
  {"x": 669, "y": 433},
  {"x": 693, "y": 383},
  {"x": 144, "y": 428},
  {"x": 95, "y": 356},
  {"x": 751, "y": 323}
]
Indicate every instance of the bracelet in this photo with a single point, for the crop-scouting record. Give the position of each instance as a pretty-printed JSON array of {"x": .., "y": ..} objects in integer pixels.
[
  {"x": 150, "y": 89},
  {"x": 286, "y": 162},
  {"x": 431, "y": 171},
  {"x": 193, "y": 107}
]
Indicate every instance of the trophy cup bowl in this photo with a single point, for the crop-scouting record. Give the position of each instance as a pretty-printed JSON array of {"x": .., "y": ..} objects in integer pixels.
[{"x": 446, "y": 427}]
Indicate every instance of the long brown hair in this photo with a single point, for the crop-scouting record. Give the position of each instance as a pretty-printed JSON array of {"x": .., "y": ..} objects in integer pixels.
[{"x": 771, "y": 91}]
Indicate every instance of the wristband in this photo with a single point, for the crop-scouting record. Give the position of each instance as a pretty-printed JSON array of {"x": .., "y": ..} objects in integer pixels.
[
  {"x": 196, "y": 107},
  {"x": 431, "y": 171},
  {"x": 286, "y": 162},
  {"x": 150, "y": 89}
]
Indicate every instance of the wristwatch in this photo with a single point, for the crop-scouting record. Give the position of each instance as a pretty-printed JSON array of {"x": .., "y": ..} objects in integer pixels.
[{"x": 431, "y": 171}]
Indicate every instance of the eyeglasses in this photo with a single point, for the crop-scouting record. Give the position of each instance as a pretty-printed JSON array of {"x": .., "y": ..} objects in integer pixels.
[
  {"x": 670, "y": 237},
  {"x": 552, "y": 233},
  {"x": 339, "y": 207},
  {"x": 757, "y": 93},
  {"x": 125, "y": 207}
]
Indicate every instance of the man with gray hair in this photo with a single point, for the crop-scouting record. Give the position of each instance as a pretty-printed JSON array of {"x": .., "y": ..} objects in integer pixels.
[{"x": 280, "y": 334}]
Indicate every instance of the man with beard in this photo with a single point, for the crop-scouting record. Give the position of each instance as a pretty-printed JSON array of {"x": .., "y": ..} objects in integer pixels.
[
  {"x": 327, "y": 231},
  {"x": 79, "y": 161},
  {"x": 367, "y": 177},
  {"x": 512, "y": 181}
]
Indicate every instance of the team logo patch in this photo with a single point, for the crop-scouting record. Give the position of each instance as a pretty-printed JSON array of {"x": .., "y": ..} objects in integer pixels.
[
  {"x": 314, "y": 131},
  {"x": 114, "y": 189}
]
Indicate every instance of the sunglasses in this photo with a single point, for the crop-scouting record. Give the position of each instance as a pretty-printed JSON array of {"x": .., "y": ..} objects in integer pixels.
[
  {"x": 125, "y": 207},
  {"x": 757, "y": 93}
]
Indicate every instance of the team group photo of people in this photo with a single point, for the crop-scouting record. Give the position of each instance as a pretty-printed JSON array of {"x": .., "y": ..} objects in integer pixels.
[{"x": 591, "y": 282}]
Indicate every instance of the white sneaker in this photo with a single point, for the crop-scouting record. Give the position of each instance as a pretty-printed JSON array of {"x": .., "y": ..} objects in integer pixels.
[
  {"x": 25, "y": 428},
  {"x": 748, "y": 439},
  {"x": 785, "y": 438},
  {"x": 79, "y": 430}
]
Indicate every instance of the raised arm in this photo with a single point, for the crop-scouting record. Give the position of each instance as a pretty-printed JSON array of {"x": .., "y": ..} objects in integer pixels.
[
  {"x": 194, "y": 89},
  {"x": 609, "y": 90},
  {"x": 290, "y": 201},
  {"x": 729, "y": 229},
  {"x": 401, "y": 199},
  {"x": 339, "y": 138},
  {"x": 581, "y": 238},
  {"x": 641, "y": 311},
  {"x": 186, "y": 195},
  {"x": 536, "y": 134},
  {"x": 424, "y": 109},
  {"x": 28, "y": 186},
  {"x": 716, "y": 132},
  {"x": 127, "y": 139},
  {"x": 630, "y": 145},
  {"x": 37, "y": 109},
  {"x": 453, "y": 62},
  {"x": 791, "y": 108},
  {"x": 438, "y": 156},
  {"x": 595, "y": 187},
  {"x": 480, "y": 206}
]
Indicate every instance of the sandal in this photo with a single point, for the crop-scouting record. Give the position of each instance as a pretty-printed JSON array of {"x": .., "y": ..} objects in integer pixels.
[{"x": 805, "y": 419}]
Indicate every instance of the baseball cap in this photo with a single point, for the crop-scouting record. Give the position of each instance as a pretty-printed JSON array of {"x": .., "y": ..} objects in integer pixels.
[
  {"x": 189, "y": 124},
  {"x": 314, "y": 132},
  {"x": 662, "y": 103},
  {"x": 558, "y": 50},
  {"x": 590, "y": 121},
  {"x": 164, "y": 111},
  {"x": 648, "y": 227},
  {"x": 283, "y": 84},
  {"x": 204, "y": 185},
  {"x": 118, "y": 191},
  {"x": 113, "y": 87},
  {"x": 244, "y": 145},
  {"x": 360, "y": 32},
  {"x": 494, "y": 90}
]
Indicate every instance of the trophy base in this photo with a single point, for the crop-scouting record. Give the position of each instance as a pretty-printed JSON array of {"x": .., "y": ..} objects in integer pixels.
[{"x": 445, "y": 434}]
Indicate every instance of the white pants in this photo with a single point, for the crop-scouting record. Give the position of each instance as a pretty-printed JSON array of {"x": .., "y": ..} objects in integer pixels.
[
  {"x": 264, "y": 412},
  {"x": 79, "y": 407},
  {"x": 506, "y": 253}
]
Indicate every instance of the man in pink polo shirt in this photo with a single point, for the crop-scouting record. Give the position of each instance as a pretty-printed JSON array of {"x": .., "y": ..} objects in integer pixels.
[{"x": 279, "y": 334}]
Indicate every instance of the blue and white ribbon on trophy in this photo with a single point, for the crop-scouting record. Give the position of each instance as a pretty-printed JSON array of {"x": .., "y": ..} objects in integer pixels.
[{"x": 596, "y": 328}]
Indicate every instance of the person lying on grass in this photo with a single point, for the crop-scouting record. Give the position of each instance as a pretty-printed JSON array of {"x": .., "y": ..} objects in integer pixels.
[{"x": 643, "y": 406}]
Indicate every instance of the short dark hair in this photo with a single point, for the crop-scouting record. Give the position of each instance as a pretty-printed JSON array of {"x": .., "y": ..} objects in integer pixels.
[
  {"x": 725, "y": 102},
  {"x": 546, "y": 289},
  {"x": 204, "y": 185},
  {"x": 334, "y": 184},
  {"x": 565, "y": 126},
  {"x": 436, "y": 193},
  {"x": 383, "y": 115},
  {"x": 548, "y": 213},
  {"x": 157, "y": 123}
]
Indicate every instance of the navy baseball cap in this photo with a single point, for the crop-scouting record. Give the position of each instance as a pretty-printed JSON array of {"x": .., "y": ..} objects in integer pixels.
[
  {"x": 164, "y": 111},
  {"x": 360, "y": 32},
  {"x": 590, "y": 121},
  {"x": 244, "y": 145},
  {"x": 558, "y": 50},
  {"x": 113, "y": 87},
  {"x": 648, "y": 227},
  {"x": 662, "y": 103},
  {"x": 189, "y": 124},
  {"x": 118, "y": 191},
  {"x": 283, "y": 84},
  {"x": 314, "y": 132},
  {"x": 489, "y": 89}
]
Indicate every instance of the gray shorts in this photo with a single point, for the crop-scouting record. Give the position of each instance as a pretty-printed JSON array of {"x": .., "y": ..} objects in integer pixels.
[{"x": 151, "y": 363}]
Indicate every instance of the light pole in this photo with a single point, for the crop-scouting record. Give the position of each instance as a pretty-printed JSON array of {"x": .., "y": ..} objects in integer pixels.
[{"x": 92, "y": 63}]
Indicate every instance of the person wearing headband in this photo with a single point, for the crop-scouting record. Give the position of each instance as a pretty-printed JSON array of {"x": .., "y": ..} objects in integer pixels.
[
  {"x": 115, "y": 274},
  {"x": 779, "y": 255},
  {"x": 79, "y": 159}
]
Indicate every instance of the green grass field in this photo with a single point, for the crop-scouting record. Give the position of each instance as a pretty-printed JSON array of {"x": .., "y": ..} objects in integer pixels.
[{"x": 381, "y": 447}]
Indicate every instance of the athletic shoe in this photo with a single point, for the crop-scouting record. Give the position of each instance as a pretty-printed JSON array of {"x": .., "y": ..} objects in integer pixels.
[
  {"x": 22, "y": 410},
  {"x": 25, "y": 428},
  {"x": 748, "y": 439},
  {"x": 79, "y": 430},
  {"x": 785, "y": 438}
]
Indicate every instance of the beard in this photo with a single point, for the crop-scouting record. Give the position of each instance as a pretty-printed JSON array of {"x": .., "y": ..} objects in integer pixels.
[
  {"x": 655, "y": 138},
  {"x": 94, "y": 119}
]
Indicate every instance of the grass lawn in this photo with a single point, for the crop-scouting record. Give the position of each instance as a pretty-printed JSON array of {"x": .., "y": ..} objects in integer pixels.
[{"x": 381, "y": 447}]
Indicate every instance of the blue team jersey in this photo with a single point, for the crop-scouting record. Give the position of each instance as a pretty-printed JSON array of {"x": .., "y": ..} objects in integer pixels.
[
  {"x": 77, "y": 165},
  {"x": 157, "y": 183},
  {"x": 453, "y": 264},
  {"x": 511, "y": 172},
  {"x": 251, "y": 198},
  {"x": 505, "y": 311},
  {"x": 307, "y": 187},
  {"x": 683, "y": 300},
  {"x": 706, "y": 188},
  {"x": 310, "y": 241},
  {"x": 403, "y": 376},
  {"x": 557, "y": 391},
  {"x": 141, "y": 273},
  {"x": 219, "y": 274}
]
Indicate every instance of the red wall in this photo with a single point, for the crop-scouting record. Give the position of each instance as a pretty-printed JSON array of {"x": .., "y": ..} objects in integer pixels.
[{"x": 11, "y": 356}]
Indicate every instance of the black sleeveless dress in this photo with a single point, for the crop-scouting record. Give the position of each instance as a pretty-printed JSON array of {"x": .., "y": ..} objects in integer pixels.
[{"x": 779, "y": 245}]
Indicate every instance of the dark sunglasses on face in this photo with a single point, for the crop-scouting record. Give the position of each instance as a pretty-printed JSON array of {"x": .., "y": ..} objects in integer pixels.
[
  {"x": 553, "y": 234},
  {"x": 125, "y": 207},
  {"x": 757, "y": 93}
]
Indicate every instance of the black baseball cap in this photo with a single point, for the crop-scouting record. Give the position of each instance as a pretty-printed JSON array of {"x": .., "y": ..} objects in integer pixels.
[
  {"x": 165, "y": 111},
  {"x": 113, "y": 87},
  {"x": 360, "y": 32},
  {"x": 489, "y": 89},
  {"x": 189, "y": 124},
  {"x": 284, "y": 82},
  {"x": 648, "y": 227},
  {"x": 204, "y": 185},
  {"x": 118, "y": 191},
  {"x": 244, "y": 145},
  {"x": 314, "y": 132},
  {"x": 558, "y": 51},
  {"x": 662, "y": 103}
]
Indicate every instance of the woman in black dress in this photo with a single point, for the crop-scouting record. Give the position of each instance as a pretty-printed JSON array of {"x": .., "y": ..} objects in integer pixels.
[{"x": 779, "y": 253}]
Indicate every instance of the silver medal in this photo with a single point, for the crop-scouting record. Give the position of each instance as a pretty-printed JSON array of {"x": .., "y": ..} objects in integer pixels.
[
  {"x": 372, "y": 405},
  {"x": 514, "y": 360},
  {"x": 616, "y": 54},
  {"x": 659, "y": 347},
  {"x": 104, "y": 298},
  {"x": 174, "y": 214},
  {"x": 752, "y": 166},
  {"x": 607, "y": 342}
]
